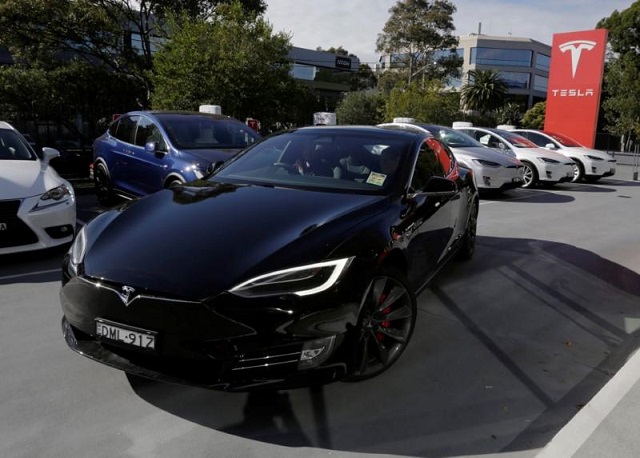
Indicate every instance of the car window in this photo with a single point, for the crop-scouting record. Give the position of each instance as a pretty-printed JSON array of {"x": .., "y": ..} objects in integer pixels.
[
  {"x": 564, "y": 140},
  {"x": 536, "y": 138},
  {"x": 454, "y": 138},
  {"x": 147, "y": 131},
  {"x": 126, "y": 128},
  {"x": 428, "y": 164},
  {"x": 13, "y": 147},
  {"x": 196, "y": 131},
  {"x": 517, "y": 140},
  {"x": 333, "y": 161}
]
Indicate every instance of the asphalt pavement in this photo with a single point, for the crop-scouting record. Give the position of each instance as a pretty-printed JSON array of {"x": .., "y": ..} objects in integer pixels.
[{"x": 607, "y": 425}]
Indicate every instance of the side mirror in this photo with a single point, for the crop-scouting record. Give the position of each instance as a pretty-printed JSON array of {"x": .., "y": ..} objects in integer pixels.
[
  {"x": 440, "y": 186},
  {"x": 214, "y": 166},
  {"x": 153, "y": 148},
  {"x": 550, "y": 146},
  {"x": 49, "y": 153}
]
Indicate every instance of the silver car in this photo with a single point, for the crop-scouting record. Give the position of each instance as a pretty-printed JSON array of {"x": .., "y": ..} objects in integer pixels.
[{"x": 493, "y": 170}]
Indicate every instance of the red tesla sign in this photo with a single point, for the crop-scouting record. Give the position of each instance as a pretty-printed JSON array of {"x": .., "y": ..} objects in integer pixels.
[{"x": 575, "y": 83}]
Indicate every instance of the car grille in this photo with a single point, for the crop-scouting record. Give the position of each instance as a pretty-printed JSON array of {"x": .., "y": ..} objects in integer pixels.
[
  {"x": 13, "y": 231},
  {"x": 274, "y": 358}
]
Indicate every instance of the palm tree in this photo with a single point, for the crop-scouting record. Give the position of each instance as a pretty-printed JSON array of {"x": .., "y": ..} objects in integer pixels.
[{"x": 484, "y": 91}]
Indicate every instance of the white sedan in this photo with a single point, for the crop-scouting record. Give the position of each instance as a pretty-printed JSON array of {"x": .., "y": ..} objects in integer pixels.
[
  {"x": 540, "y": 165},
  {"x": 590, "y": 164},
  {"x": 37, "y": 207},
  {"x": 493, "y": 171}
]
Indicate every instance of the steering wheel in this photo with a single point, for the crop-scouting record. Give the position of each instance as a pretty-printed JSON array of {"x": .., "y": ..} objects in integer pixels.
[{"x": 290, "y": 168}]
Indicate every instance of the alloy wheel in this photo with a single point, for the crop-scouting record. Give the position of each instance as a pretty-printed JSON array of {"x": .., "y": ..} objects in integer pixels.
[{"x": 385, "y": 326}]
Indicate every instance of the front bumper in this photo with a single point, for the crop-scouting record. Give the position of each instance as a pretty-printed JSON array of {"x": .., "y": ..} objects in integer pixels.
[
  {"x": 235, "y": 344},
  {"x": 22, "y": 229},
  {"x": 499, "y": 178},
  {"x": 555, "y": 173}
]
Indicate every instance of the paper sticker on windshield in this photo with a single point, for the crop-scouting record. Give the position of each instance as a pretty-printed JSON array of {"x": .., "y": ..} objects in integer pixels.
[{"x": 376, "y": 178}]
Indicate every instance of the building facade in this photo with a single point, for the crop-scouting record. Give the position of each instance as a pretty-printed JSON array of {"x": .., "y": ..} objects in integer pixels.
[{"x": 523, "y": 64}]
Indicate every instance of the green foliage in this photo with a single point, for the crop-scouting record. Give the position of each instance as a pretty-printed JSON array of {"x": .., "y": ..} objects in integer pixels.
[
  {"x": 534, "y": 118},
  {"x": 415, "y": 29},
  {"x": 427, "y": 104},
  {"x": 484, "y": 91},
  {"x": 233, "y": 61},
  {"x": 509, "y": 113},
  {"x": 622, "y": 75},
  {"x": 361, "y": 108}
]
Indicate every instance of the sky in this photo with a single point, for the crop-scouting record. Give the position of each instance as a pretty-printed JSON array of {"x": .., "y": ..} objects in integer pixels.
[{"x": 355, "y": 24}]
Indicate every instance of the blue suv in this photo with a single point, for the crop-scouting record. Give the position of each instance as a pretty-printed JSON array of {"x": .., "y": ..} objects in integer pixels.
[{"x": 145, "y": 151}]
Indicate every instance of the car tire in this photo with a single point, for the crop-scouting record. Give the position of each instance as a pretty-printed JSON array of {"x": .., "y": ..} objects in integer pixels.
[
  {"x": 103, "y": 186},
  {"x": 387, "y": 318},
  {"x": 468, "y": 242},
  {"x": 578, "y": 171},
  {"x": 530, "y": 175}
]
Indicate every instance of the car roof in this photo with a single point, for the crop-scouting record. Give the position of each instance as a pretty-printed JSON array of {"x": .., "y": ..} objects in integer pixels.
[
  {"x": 6, "y": 125},
  {"x": 170, "y": 113},
  {"x": 407, "y": 126}
]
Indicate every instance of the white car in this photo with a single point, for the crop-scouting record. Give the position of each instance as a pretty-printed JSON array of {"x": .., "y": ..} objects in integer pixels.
[
  {"x": 37, "y": 207},
  {"x": 493, "y": 171},
  {"x": 540, "y": 165},
  {"x": 590, "y": 164}
]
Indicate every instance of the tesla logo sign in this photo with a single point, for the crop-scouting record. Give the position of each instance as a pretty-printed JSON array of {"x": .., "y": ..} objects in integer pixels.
[
  {"x": 125, "y": 295},
  {"x": 3, "y": 227},
  {"x": 575, "y": 83},
  {"x": 576, "y": 47}
]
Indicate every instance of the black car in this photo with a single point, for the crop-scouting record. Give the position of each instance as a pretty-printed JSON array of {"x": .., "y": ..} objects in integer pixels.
[{"x": 295, "y": 263}]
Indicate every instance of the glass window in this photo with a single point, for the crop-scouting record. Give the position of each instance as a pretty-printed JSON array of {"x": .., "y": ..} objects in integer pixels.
[
  {"x": 304, "y": 72},
  {"x": 126, "y": 127},
  {"x": 540, "y": 83},
  {"x": 515, "y": 80},
  {"x": 501, "y": 57},
  {"x": 148, "y": 132},
  {"x": 427, "y": 165},
  {"x": 543, "y": 62},
  {"x": 13, "y": 147}
]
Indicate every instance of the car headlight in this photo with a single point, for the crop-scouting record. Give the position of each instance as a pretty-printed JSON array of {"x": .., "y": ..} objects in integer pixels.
[
  {"x": 77, "y": 251},
  {"x": 55, "y": 196},
  {"x": 301, "y": 281},
  {"x": 547, "y": 160},
  {"x": 485, "y": 163},
  {"x": 594, "y": 158}
]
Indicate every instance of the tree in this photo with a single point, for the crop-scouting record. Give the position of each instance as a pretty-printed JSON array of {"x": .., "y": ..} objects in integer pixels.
[
  {"x": 427, "y": 103},
  {"x": 534, "y": 117},
  {"x": 622, "y": 74},
  {"x": 233, "y": 61},
  {"x": 416, "y": 33},
  {"x": 361, "y": 107},
  {"x": 509, "y": 113},
  {"x": 484, "y": 91},
  {"x": 120, "y": 35}
]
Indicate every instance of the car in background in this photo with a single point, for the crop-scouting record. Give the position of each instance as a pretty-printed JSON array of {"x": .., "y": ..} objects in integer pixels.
[
  {"x": 37, "y": 206},
  {"x": 75, "y": 159},
  {"x": 145, "y": 151},
  {"x": 541, "y": 166},
  {"x": 278, "y": 276},
  {"x": 590, "y": 164},
  {"x": 493, "y": 171}
]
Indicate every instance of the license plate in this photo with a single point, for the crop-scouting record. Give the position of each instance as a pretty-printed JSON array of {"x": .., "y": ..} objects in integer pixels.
[{"x": 140, "y": 338}]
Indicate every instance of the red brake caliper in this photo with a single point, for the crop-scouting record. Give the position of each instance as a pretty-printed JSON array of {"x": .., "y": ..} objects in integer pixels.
[{"x": 384, "y": 323}]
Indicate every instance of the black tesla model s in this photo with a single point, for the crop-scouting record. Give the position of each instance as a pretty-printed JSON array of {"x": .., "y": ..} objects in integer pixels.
[{"x": 297, "y": 262}]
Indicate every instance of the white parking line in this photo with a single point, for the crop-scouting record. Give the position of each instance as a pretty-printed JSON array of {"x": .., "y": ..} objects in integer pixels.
[{"x": 29, "y": 274}]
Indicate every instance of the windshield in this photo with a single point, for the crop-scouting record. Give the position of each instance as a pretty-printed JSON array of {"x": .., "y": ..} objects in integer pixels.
[
  {"x": 195, "y": 131},
  {"x": 564, "y": 140},
  {"x": 341, "y": 160},
  {"x": 517, "y": 140},
  {"x": 454, "y": 138},
  {"x": 13, "y": 147}
]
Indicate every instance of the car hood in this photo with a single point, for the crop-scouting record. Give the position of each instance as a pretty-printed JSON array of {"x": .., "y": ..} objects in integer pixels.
[
  {"x": 584, "y": 151},
  {"x": 532, "y": 153},
  {"x": 489, "y": 154},
  {"x": 209, "y": 155},
  {"x": 195, "y": 242},
  {"x": 20, "y": 179}
]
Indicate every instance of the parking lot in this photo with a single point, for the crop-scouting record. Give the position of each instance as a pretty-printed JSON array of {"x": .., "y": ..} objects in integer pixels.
[{"x": 507, "y": 348}]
